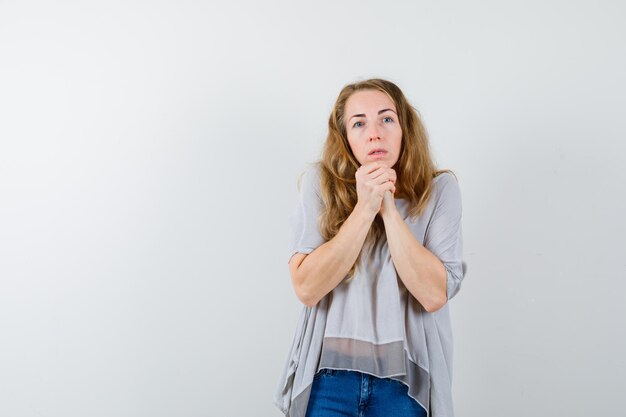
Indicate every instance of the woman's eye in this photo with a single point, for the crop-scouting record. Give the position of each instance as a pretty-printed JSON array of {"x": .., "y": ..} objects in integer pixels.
[{"x": 356, "y": 124}]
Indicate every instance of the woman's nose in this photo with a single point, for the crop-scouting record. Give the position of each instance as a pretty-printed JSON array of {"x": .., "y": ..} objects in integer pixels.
[{"x": 373, "y": 131}]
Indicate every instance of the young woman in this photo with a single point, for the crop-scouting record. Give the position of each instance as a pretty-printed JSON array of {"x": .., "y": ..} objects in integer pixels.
[{"x": 376, "y": 254}]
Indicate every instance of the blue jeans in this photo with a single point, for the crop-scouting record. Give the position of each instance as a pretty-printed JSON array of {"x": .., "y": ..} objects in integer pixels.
[{"x": 338, "y": 392}]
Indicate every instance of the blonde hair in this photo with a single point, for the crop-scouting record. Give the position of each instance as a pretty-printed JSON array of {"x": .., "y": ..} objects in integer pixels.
[{"x": 414, "y": 169}]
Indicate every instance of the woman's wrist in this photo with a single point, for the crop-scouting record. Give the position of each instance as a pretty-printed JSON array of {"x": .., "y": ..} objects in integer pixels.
[{"x": 364, "y": 212}]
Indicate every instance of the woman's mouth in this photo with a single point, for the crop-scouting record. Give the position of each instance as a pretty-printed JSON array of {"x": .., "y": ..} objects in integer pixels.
[{"x": 378, "y": 154}]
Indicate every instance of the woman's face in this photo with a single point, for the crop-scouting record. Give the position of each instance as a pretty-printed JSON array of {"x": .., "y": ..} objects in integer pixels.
[{"x": 372, "y": 123}]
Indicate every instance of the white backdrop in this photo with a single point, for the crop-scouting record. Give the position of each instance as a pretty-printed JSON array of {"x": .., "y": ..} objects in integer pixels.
[{"x": 149, "y": 153}]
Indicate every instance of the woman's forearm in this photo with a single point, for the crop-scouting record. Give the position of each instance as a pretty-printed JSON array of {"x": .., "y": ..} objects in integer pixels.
[
  {"x": 422, "y": 273},
  {"x": 324, "y": 268}
]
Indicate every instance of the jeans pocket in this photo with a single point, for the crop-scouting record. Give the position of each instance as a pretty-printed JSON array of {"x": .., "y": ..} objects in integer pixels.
[
  {"x": 395, "y": 381},
  {"x": 324, "y": 372}
]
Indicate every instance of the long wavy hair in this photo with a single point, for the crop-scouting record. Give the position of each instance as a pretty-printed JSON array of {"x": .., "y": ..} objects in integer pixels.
[{"x": 415, "y": 168}]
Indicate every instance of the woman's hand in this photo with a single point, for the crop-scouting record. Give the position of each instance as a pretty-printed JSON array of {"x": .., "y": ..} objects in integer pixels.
[
  {"x": 388, "y": 204},
  {"x": 372, "y": 181}
]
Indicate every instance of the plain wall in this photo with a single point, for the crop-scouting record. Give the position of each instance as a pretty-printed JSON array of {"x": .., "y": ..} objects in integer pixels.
[{"x": 149, "y": 153}]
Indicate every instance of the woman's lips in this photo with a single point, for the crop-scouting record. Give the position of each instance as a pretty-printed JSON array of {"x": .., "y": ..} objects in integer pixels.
[{"x": 378, "y": 154}]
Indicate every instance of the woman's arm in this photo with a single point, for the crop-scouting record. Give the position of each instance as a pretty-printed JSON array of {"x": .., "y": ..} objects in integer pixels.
[
  {"x": 432, "y": 272},
  {"x": 318, "y": 273},
  {"x": 422, "y": 273}
]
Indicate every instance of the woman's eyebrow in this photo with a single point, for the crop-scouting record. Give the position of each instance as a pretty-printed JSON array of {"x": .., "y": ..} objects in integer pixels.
[{"x": 379, "y": 112}]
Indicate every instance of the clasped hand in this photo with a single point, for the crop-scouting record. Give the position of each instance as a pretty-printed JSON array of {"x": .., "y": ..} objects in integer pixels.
[{"x": 375, "y": 187}]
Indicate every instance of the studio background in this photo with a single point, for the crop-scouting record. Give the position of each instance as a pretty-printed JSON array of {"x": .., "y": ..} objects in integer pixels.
[{"x": 149, "y": 153}]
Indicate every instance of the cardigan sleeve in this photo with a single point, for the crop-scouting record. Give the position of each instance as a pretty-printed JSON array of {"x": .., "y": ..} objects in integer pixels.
[
  {"x": 305, "y": 234},
  {"x": 444, "y": 235}
]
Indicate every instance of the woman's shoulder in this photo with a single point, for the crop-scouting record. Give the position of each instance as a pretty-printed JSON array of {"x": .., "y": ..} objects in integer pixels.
[
  {"x": 446, "y": 187},
  {"x": 309, "y": 178},
  {"x": 445, "y": 179},
  {"x": 444, "y": 176}
]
